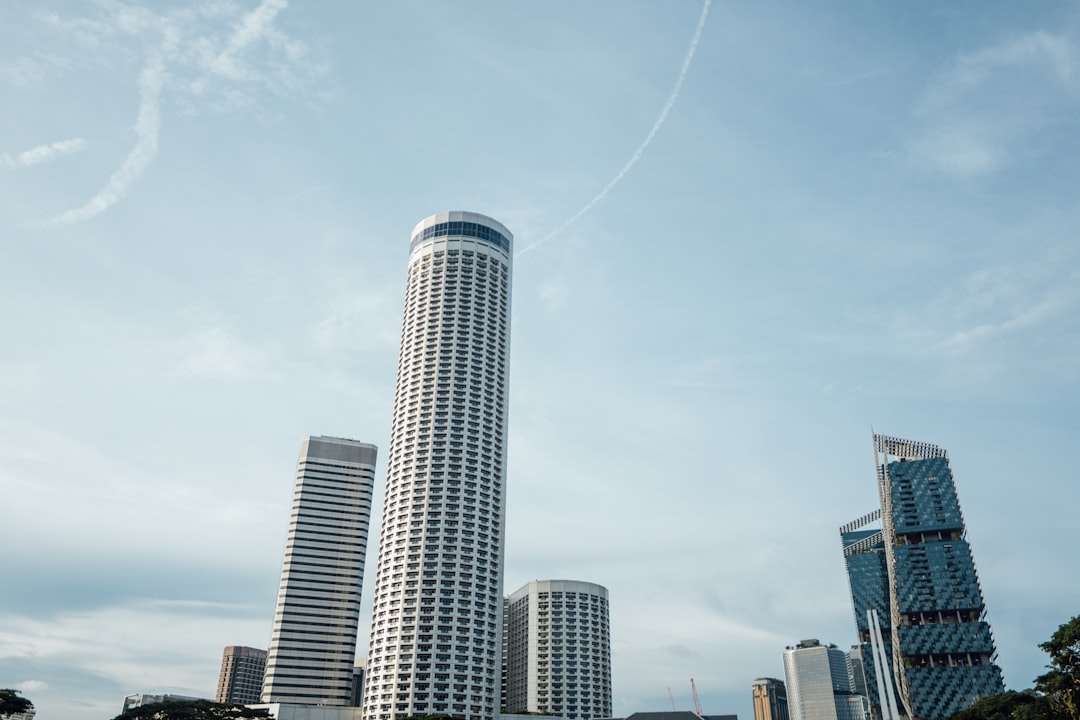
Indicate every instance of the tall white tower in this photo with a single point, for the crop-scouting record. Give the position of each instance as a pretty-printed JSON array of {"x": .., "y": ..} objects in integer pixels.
[
  {"x": 313, "y": 645},
  {"x": 436, "y": 619},
  {"x": 558, "y": 650}
]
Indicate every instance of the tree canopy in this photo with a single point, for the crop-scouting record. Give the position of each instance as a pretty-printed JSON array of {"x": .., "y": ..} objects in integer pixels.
[
  {"x": 191, "y": 710},
  {"x": 1062, "y": 684},
  {"x": 1011, "y": 705},
  {"x": 1056, "y": 695},
  {"x": 11, "y": 703}
]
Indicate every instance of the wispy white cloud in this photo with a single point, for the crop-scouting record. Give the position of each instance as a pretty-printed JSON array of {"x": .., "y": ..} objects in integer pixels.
[
  {"x": 553, "y": 295},
  {"x": 253, "y": 27},
  {"x": 31, "y": 686},
  {"x": 43, "y": 153},
  {"x": 23, "y": 72},
  {"x": 964, "y": 151},
  {"x": 992, "y": 306},
  {"x": 216, "y": 353},
  {"x": 987, "y": 107},
  {"x": 111, "y": 642},
  {"x": 1038, "y": 50},
  {"x": 858, "y": 77},
  {"x": 353, "y": 317},
  {"x": 190, "y": 56}
]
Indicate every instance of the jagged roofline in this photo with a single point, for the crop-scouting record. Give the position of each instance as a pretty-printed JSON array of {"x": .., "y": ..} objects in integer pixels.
[
  {"x": 863, "y": 521},
  {"x": 907, "y": 449},
  {"x": 867, "y": 542}
]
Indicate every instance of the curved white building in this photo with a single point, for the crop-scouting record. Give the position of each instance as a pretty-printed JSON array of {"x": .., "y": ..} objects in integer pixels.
[
  {"x": 437, "y": 613},
  {"x": 558, "y": 650}
]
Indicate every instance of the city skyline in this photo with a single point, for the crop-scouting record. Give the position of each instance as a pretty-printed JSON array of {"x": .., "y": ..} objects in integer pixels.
[{"x": 848, "y": 216}]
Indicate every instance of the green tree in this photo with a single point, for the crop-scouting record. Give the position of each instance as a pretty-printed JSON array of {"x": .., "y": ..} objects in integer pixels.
[
  {"x": 1010, "y": 705},
  {"x": 191, "y": 710},
  {"x": 11, "y": 703},
  {"x": 1062, "y": 684}
]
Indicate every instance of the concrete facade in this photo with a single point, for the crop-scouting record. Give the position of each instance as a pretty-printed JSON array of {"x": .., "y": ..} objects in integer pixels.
[
  {"x": 241, "y": 677},
  {"x": 437, "y": 612},
  {"x": 313, "y": 644},
  {"x": 558, "y": 649}
]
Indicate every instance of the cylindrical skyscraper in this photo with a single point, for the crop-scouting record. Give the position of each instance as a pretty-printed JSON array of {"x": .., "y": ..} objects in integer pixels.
[
  {"x": 558, "y": 650},
  {"x": 437, "y": 613}
]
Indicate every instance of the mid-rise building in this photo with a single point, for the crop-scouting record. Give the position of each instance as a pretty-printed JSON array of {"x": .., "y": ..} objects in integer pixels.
[
  {"x": 359, "y": 677},
  {"x": 818, "y": 685},
  {"x": 138, "y": 700},
  {"x": 436, "y": 622},
  {"x": 770, "y": 699},
  {"x": 313, "y": 644},
  {"x": 919, "y": 608},
  {"x": 241, "y": 677},
  {"x": 558, "y": 650},
  {"x": 856, "y": 673},
  {"x": 667, "y": 715}
]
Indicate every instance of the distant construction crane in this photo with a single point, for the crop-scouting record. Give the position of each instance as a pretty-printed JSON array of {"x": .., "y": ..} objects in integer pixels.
[{"x": 697, "y": 703}]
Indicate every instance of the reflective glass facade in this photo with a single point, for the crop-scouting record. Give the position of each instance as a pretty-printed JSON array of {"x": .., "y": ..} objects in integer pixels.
[
  {"x": 931, "y": 603},
  {"x": 818, "y": 684},
  {"x": 868, "y": 579}
]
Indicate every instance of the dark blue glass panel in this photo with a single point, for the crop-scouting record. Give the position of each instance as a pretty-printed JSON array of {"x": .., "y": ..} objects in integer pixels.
[{"x": 463, "y": 229}]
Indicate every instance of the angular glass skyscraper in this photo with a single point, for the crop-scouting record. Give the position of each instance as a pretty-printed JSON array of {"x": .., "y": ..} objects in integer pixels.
[
  {"x": 437, "y": 614},
  {"x": 313, "y": 645},
  {"x": 915, "y": 590}
]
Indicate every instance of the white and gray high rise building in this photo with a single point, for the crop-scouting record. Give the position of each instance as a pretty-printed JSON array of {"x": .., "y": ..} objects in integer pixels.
[
  {"x": 437, "y": 612},
  {"x": 558, "y": 650},
  {"x": 313, "y": 644},
  {"x": 818, "y": 684}
]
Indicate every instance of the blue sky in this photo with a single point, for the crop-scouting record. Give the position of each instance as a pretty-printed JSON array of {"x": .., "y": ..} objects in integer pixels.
[{"x": 853, "y": 215}]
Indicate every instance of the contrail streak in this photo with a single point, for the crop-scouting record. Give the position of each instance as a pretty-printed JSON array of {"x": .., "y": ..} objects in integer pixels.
[
  {"x": 147, "y": 125},
  {"x": 645, "y": 143}
]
